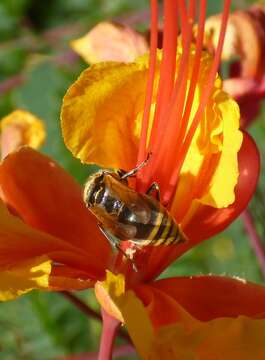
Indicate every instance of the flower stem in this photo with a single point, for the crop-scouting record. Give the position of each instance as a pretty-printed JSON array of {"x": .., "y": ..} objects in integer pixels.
[
  {"x": 109, "y": 331},
  {"x": 121, "y": 350},
  {"x": 254, "y": 239}
]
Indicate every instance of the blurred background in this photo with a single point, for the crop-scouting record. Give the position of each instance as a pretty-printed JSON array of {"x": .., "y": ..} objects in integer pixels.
[{"x": 37, "y": 66}]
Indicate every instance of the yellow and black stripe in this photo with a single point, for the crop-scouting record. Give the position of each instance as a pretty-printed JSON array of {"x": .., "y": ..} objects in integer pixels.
[{"x": 163, "y": 230}]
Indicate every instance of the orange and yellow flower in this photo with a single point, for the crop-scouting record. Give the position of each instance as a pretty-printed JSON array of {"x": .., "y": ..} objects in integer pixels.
[{"x": 207, "y": 170}]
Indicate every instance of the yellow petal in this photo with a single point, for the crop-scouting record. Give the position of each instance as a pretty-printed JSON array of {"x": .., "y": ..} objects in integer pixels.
[
  {"x": 210, "y": 170},
  {"x": 109, "y": 291},
  {"x": 99, "y": 113},
  {"x": 137, "y": 322},
  {"x": 24, "y": 277},
  {"x": 110, "y": 42},
  {"x": 224, "y": 180},
  {"x": 21, "y": 128}
]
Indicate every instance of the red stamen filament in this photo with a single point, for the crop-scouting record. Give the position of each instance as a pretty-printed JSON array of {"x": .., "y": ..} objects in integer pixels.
[
  {"x": 168, "y": 64},
  {"x": 195, "y": 74},
  {"x": 171, "y": 134},
  {"x": 194, "y": 78},
  {"x": 150, "y": 82},
  {"x": 174, "y": 122},
  {"x": 173, "y": 111},
  {"x": 203, "y": 102},
  {"x": 167, "y": 75}
]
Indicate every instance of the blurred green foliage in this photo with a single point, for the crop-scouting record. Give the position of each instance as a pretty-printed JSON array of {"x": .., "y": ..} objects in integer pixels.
[{"x": 34, "y": 43}]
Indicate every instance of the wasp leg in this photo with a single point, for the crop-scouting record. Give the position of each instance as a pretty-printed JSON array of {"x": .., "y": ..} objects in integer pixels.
[
  {"x": 115, "y": 243},
  {"x": 121, "y": 172},
  {"x": 134, "y": 171},
  {"x": 154, "y": 187},
  {"x": 107, "y": 235}
]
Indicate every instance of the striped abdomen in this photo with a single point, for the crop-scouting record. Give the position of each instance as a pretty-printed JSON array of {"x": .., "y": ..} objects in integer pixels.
[{"x": 162, "y": 230}]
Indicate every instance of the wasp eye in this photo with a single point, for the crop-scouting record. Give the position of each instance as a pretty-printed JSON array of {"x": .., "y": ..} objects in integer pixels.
[
  {"x": 98, "y": 195},
  {"x": 93, "y": 189}
]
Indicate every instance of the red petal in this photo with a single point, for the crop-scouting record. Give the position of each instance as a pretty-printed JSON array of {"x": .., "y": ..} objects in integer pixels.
[
  {"x": 67, "y": 278},
  {"x": 21, "y": 243},
  {"x": 49, "y": 199},
  {"x": 204, "y": 297}
]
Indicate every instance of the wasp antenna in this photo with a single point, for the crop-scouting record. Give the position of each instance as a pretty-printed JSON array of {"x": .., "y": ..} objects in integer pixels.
[{"x": 114, "y": 243}]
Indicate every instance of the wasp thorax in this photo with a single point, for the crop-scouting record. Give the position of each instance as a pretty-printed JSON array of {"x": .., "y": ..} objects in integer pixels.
[{"x": 94, "y": 189}]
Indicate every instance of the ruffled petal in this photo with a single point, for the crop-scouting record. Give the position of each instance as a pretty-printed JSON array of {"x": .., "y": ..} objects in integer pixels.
[
  {"x": 24, "y": 277},
  {"x": 110, "y": 42},
  {"x": 20, "y": 128},
  {"x": 207, "y": 221},
  {"x": 210, "y": 170},
  {"x": 49, "y": 199},
  {"x": 100, "y": 112}
]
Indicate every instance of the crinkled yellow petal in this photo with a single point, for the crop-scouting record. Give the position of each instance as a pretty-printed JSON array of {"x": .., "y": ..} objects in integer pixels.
[
  {"x": 24, "y": 277},
  {"x": 224, "y": 180},
  {"x": 240, "y": 338},
  {"x": 21, "y": 128},
  {"x": 99, "y": 112},
  {"x": 110, "y": 42},
  {"x": 210, "y": 170}
]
